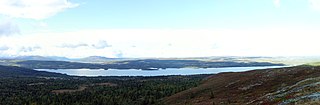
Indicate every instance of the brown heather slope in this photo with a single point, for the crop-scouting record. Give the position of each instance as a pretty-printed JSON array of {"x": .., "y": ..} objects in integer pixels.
[{"x": 291, "y": 85}]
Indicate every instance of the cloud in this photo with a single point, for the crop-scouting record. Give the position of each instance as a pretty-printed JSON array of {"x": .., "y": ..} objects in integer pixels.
[
  {"x": 315, "y": 4},
  {"x": 8, "y": 27},
  {"x": 29, "y": 48},
  {"x": 277, "y": 3},
  {"x": 34, "y": 9},
  {"x": 118, "y": 54},
  {"x": 101, "y": 45},
  {"x": 96, "y": 45},
  {"x": 4, "y": 48},
  {"x": 154, "y": 43},
  {"x": 42, "y": 24},
  {"x": 73, "y": 45}
]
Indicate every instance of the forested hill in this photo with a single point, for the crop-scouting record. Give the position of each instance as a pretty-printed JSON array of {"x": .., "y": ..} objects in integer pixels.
[
  {"x": 12, "y": 71},
  {"x": 144, "y": 64}
]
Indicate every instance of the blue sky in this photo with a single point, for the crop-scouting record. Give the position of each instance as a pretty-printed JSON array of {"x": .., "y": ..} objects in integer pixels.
[
  {"x": 159, "y": 28},
  {"x": 178, "y": 14}
]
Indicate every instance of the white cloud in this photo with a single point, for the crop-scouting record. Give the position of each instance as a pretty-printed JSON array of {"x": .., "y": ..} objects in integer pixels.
[
  {"x": 154, "y": 43},
  {"x": 28, "y": 48},
  {"x": 34, "y": 9},
  {"x": 4, "y": 48},
  {"x": 315, "y": 4},
  {"x": 42, "y": 24},
  {"x": 276, "y": 3},
  {"x": 8, "y": 27},
  {"x": 101, "y": 45},
  {"x": 72, "y": 45}
]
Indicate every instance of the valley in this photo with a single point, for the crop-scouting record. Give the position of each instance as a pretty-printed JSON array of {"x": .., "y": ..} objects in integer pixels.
[{"x": 286, "y": 85}]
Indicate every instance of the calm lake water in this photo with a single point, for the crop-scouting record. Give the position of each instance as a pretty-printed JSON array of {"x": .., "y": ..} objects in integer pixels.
[{"x": 160, "y": 72}]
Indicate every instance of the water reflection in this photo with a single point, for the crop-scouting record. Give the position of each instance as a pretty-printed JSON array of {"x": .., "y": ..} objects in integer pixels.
[{"x": 160, "y": 72}]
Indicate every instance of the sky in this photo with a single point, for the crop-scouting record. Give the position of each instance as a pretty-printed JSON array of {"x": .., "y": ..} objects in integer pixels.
[{"x": 159, "y": 28}]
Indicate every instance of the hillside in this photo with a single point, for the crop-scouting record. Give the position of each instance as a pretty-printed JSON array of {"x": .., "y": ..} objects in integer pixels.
[
  {"x": 11, "y": 71},
  {"x": 40, "y": 58},
  {"x": 289, "y": 85}
]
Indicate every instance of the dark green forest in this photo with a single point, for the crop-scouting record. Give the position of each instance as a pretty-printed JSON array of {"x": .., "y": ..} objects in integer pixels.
[{"x": 43, "y": 89}]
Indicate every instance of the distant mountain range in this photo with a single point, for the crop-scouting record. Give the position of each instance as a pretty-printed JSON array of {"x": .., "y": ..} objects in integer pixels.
[
  {"x": 38, "y": 58},
  {"x": 143, "y": 64},
  {"x": 98, "y": 59},
  {"x": 294, "y": 60}
]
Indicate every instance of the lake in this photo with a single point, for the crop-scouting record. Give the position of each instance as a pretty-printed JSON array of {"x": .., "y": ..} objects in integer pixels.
[{"x": 160, "y": 72}]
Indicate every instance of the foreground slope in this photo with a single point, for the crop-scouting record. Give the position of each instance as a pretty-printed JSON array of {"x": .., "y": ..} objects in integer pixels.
[{"x": 298, "y": 85}]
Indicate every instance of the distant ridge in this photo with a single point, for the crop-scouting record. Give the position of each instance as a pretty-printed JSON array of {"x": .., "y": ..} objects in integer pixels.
[
  {"x": 39, "y": 58},
  {"x": 13, "y": 71},
  {"x": 97, "y": 59}
]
